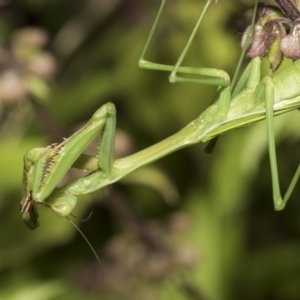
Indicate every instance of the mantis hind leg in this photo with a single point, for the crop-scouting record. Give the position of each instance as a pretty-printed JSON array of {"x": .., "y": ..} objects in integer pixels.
[
  {"x": 279, "y": 202},
  {"x": 210, "y": 76}
]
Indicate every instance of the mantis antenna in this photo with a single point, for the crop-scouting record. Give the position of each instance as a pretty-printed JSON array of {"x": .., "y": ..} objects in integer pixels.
[{"x": 89, "y": 244}]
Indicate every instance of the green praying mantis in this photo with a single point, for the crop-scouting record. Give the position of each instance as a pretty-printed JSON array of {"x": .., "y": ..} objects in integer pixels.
[{"x": 237, "y": 103}]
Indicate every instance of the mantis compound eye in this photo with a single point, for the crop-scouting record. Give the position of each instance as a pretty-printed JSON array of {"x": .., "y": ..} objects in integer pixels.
[{"x": 62, "y": 204}]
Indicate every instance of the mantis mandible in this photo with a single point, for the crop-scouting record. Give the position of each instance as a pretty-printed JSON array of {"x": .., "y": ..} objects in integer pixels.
[{"x": 249, "y": 100}]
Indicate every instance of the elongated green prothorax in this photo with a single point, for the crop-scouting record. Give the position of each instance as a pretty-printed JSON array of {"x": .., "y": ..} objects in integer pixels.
[{"x": 237, "y": 103}]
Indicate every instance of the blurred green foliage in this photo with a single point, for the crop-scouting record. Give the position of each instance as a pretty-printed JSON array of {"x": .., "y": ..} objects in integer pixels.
[{"x": 192, "y": 225}]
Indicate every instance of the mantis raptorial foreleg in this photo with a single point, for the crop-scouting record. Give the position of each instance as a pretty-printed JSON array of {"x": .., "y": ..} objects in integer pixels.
[{"x": 45, "y": 167}]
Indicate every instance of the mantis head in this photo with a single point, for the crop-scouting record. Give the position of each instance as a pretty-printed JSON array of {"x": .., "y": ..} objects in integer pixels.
[{"x": 61, "y": 204}]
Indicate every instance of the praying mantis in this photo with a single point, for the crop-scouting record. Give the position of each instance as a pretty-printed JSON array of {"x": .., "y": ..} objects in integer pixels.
[{"x": 236, "y": 104}]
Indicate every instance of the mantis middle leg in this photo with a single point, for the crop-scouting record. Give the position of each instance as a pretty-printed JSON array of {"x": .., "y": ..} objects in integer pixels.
[{"x": 279, "y": 202}]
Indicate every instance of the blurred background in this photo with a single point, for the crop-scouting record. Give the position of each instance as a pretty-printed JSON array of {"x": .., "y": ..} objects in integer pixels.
[{"x": 189, "y": 226}]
